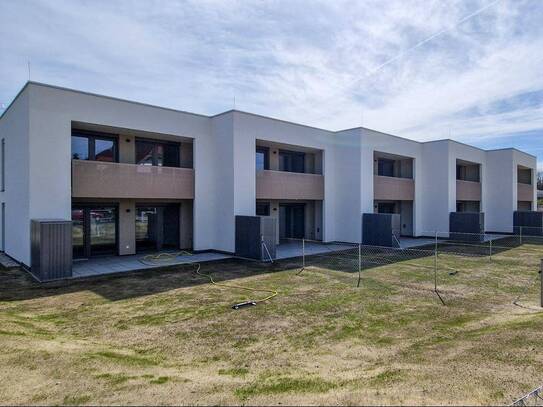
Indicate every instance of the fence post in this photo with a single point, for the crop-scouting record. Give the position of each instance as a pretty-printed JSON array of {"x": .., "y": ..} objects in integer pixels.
[
  {"x": 541, "y": 277},
  {"x": 490, "y": 241},
  {"x": 359, "y": 263},
  {"x": 520, "y": 234},
  {"x": 303, "y": 254},
  {"x": 435, "y": 266},
  {"x": 435, "y": 244}
]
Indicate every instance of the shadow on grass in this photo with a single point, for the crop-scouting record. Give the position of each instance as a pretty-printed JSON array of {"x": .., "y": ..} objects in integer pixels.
[{"x": 17, "y": 285}]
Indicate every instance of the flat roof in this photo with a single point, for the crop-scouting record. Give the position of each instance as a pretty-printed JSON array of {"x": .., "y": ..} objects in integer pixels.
[{"x": 239, "y": 111}]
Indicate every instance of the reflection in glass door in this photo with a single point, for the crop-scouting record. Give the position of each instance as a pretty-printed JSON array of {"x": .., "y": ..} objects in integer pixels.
[
  {"x": 94, "y": 230},
  {"x": 157, "y": 227},
  {"x": 103, "y": 230},
  {"x": 78, "y": 232}
]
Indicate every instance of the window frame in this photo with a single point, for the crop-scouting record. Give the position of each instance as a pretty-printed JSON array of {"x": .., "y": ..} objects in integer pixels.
[
  {"x": 91, "y": 137},
  {"x": 155, "y": 143},
  {"x": 381, "y": 163},
  {"x": 268, "y": 208},
  {"x": 292, "y": 154},
  {"x": 266, "y": 152}
]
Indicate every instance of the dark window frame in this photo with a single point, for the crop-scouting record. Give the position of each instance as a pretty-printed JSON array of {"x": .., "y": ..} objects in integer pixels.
[
  {"x": 155, "y": 143},
  {"x": 292, "y": 155},
  {"x": 87, "y": 207},
  {"x": 262, "y": 204},
  {"x": 381, "y": 163},
  {"x": 91, "y": 137},
  {"x": 266, "y": 152}
]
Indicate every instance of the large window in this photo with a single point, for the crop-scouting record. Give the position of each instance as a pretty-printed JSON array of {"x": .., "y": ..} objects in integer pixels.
[
  {"x": 94, "y": 230},
  {"x": 291, "y": 161},
  {"x": 385, "y": 167},
  {"x": 162, "y": 154},
  {"x": 262, "y": 209},
  {"x": 94, "y": 147},
  {"x": 262, "y": 158}
]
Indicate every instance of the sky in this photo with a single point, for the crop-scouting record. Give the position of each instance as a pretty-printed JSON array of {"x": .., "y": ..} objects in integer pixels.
[{"x": 422, "y": 69}]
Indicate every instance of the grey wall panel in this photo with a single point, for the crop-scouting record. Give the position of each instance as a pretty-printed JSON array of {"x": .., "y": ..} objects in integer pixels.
[
  {"x": 381, "y": 229},
  {"x": 268, "y": 226},
  {"x": 51, "y": 249},
  {"x": 250, "y": 231},
  {"x": 531, "y": 223},
  {"x": 467, "y": 226}
]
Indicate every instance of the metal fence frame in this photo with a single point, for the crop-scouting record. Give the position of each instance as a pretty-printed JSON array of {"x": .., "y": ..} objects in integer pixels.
[{"x": 484, "y": 245}]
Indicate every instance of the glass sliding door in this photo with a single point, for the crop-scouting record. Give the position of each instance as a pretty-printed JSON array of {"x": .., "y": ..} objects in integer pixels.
[
  {"x": 292, "y": 221},
  {"x": 103, "y": 230},
  {"x": 94, "y": 230},
  {"x": 157, "y": 153},
  {"x": 157, "y": 227},
  {"x": 146, "y": 230},
  {"x": 78, "y": 232}
]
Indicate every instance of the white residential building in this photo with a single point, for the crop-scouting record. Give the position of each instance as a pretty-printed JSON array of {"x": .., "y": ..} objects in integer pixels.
[{"x": 153, "y": 178}]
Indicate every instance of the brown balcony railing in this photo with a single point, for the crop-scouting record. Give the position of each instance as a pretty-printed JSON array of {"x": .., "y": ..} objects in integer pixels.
[
  {"x": 393, "y": 188},
  {"x": 95, "y": 179},
  {"x": 468, "y": 190},
  {"x": 289, "y": 185}
]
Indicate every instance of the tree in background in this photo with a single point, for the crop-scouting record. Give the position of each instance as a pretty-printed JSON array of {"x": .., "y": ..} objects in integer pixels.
[{"x": 540, "y": 180}]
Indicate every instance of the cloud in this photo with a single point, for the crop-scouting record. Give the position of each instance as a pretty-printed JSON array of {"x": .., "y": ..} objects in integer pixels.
[{"x": 330, "y": 64}]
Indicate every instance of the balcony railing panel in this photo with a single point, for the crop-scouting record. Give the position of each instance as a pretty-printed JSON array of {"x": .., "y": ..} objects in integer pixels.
[
  {"x": 468, "y": 190},
  {"x": 95, "y": 179},
  {"x": 525, "y": 192},
  {"x": 393, "y": 188},
  {"x": 289, "y": 185}
]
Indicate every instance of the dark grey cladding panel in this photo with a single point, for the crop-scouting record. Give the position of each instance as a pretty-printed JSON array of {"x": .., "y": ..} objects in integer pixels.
[
  {"x": 467, "y": 226},
  {"x": 51, "y": 249},
  {"x": 531, "y": 223},
  {"x": 251, "y": 232},
  {"x": 268, "y": 229},
  {"x": 381, "y": 229}
]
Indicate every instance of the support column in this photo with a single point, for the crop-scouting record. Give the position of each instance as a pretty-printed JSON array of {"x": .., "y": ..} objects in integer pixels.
[{"x": 127, "y": 227}]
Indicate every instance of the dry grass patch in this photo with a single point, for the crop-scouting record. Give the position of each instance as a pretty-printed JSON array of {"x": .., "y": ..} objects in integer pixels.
[{"x": 169, "y": 337}]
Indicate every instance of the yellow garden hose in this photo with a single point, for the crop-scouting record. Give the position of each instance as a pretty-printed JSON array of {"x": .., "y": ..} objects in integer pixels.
[
  {"x": 167, "y": 258},
  {"x": 273, "y": 293},
  {"x": 153, "y": 259}
]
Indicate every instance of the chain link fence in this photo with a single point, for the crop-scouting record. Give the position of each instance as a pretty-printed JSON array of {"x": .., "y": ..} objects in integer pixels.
[{"x": 438, "y": 255}]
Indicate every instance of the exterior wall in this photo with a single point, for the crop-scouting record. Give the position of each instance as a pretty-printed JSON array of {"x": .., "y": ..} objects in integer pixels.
[
  {"x": 373, "y": 141},
  {"x": 14, "y": 129},
  {"x": 127, "y": 226},
  {"x": 248, "y": 128},
  {"x": 502, "y": 197},
  {"x": 37, "y": 128},
  {"x": 529, "y": 161},
  {"x": 52, "y": 112},
  {"x": 348, "y": 186}
]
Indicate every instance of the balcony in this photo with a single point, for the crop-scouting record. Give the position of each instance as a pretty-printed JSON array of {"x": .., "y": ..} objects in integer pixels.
[
  {"x": 525, "y": 192},
  {"x": 289, "y": 185},
  {"x": 468, "y": 190},
  {"x": 393, "y": 188},
  {"x": 95, "y": 179}
]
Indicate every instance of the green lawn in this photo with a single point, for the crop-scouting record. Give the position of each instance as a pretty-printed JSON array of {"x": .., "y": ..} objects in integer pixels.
[{"x": 169, "y": 337}]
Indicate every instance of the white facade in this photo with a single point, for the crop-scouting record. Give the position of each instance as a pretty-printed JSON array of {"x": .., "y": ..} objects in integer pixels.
[{"x": 37, "y": 132}]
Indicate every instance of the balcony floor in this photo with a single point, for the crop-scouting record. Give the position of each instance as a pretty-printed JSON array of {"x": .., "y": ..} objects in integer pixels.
[
  {"x": 293, "y": 248},
  {"x": 103, "y": 265}
]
